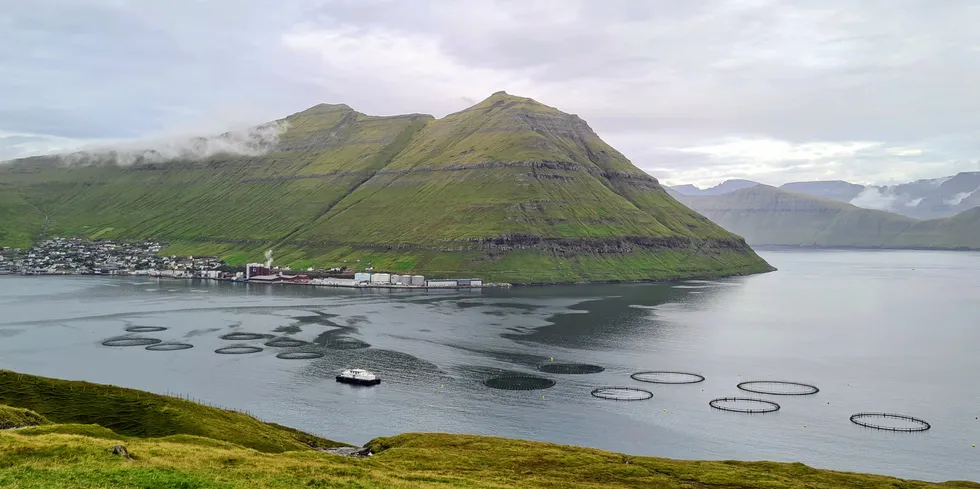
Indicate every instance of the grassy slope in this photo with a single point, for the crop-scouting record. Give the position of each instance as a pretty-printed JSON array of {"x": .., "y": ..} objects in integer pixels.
[
  {"x": 134, "y": 413},
  {"x": 77, "y": 456},
  {"x": 769, "y": 216},
  {"x": 20, "y": 222},
  {"x": 407, "y": 193},
  {"x": 11, "y": 417}
]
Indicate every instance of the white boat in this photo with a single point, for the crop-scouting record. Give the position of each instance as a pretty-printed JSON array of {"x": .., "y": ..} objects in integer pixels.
[{"x": 359, "y": 377}]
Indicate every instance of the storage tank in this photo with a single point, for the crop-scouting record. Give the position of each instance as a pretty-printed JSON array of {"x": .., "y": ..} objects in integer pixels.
[
  {"x": 362, "y": 277},
  {"x": 441, "y": 283},
  {"x": 403, "y": 280},
  {"x": 381, "y": 278},
  {"x": 395, "y": 278},
  {"x": 476, "y": 283},
  {"x": 418, "y": 280}
]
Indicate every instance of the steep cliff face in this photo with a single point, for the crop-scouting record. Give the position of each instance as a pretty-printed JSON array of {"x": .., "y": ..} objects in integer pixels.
[{"x": 509, "y": 189}]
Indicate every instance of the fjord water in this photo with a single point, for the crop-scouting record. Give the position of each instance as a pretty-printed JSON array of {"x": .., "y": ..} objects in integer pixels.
[{"x": 893, "y": 331}]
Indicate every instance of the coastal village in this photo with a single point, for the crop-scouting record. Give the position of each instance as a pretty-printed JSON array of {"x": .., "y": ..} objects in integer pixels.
[{"x": 73, "y": 256}]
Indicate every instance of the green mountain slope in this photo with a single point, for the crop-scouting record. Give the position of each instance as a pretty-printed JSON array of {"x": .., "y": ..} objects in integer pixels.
[
  {"x": 508, "y": 190},
  {"x": 20, "y": 222},
  {"x": 178, "y": 444},
  {"x": 766, "y": 215}
]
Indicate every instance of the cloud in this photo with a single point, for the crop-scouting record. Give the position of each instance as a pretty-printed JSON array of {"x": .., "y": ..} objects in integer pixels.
[
  {"x": 960, "y": 197},
  {"x": 253, "y": 141},
  {"x": 690, "y": 91},
  {"x": 877, "y": 198}
]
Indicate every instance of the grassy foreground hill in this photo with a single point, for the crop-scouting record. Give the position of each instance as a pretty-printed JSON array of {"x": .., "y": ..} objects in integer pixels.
[
  {"x": 509, "y": 190},
  {"x": 166, "y": 448},
  {"x": 766, "y": 215}
]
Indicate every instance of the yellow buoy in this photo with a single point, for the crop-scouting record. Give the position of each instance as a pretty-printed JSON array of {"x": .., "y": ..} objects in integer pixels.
[{"x": 552, "y": 359}]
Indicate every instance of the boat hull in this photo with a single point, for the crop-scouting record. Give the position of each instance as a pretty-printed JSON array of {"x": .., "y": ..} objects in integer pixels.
[{"x": 348, "y": 380}]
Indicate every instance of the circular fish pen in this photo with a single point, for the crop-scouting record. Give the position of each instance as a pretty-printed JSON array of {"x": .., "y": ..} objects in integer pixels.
[
  {"x": 131, "y": 341},
  {"x": 622, "y": 393},
  {"x": 744, "y": 405},
  {"x": 778, "y": 388},
  {"x": 570, "y": 368},
  {"x": 238, "y": 350},
  {"x": 145, "y": 329},
  {"x": 519, "y": 383},
  {"x": 667, "y": 377},
  {"x": 170, "y": 347},
  {"x": 890, "y": 422},
  {"x": 285, "y": 343},
  {"x": 300, "y": 355},
  {"x": 243, "y": 336}
]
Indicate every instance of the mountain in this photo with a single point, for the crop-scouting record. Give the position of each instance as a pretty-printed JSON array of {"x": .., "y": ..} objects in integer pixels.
[
  {"x": 720, "y": 189},
  {"x": 507, "y": 190},
  {"x": 922, "y": 199},
  {"x": 838, "y": 190},
  {"x": 766, "y": 215}
]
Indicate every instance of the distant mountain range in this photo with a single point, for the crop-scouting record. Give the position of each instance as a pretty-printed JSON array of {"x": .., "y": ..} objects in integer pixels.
[
  {"x": 766, "y": 215},
  {"x": 922, "y": 199}
]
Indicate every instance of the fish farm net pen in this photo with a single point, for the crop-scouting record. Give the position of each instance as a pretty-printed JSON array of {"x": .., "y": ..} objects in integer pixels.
[
  {"x": 867, "y": 420},
  {"x": 243, "y": 336},
  {"x": 170, "y": 347},
  {"x": 667, "y": 377},
  {"x": 622, "y": 393},
  {"x": 778, "y": 388},
  {"x": 741, "y": 405},
  {"x": 285, "y": 343},
  {"x": 145, "y": 329},
  {"x": 238, "y": 350},
  {"x": 131, "y": 342},
  {"x": 300, "y": 355}
]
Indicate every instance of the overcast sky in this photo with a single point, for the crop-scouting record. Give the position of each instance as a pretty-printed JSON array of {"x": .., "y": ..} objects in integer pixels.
[{"x": 876, "y": 91}]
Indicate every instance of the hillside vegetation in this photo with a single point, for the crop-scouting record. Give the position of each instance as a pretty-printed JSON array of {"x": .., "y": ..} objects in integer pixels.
[
  {"x": 80, "y": 456},
  {"x": 766, "y": 215},
  {"x": 509, "y": 190}
]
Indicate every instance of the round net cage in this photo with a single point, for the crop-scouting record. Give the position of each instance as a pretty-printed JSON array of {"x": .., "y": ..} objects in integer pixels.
[
  {"x": 145, "y": 329},
  {"x": 744, "y": 405},
  {"x": 242, "y": 336},
  {"x": 519, "y": 383},
  {"x": 285, "y": 343},
  {"x": 131, "y": 341},
  {"x": 570, "y": 368},
  {"x": 299, "y": 355},
  {"x": 170, "y": 347},
  {"x": 667, "y": 377},
  {"x": 778, "y": 388},
  {"x": 622, "y": 393},
  {"x": 238, "y": 350},
  {"x": 890, "y": 422}
]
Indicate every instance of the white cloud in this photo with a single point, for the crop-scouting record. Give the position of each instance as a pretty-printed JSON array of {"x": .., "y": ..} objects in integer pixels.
[{"x": 876, "y": 198}]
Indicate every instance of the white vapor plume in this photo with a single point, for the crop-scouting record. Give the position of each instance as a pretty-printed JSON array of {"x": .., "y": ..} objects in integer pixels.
[
  {"x": 253, "y": 141},
  {"x": 882, "y": 199},
  {"x": 960, "y": 197},
  {"x": 268, "y": 258}
]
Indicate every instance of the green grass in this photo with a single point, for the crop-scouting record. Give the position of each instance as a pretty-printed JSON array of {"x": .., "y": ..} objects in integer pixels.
[
  {"x": 18, "y": 418},
  {"x": 78, "y": 456},
  {"x": 344, "y": 185},
  {"x": 140, "y": 414}
]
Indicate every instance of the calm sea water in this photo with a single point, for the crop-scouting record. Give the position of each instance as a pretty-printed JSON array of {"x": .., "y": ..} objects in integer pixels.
[{"x": 875, "y": 331}]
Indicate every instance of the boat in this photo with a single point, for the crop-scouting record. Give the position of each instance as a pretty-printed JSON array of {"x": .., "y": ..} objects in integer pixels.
[{"x": 358, "y": 376}]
